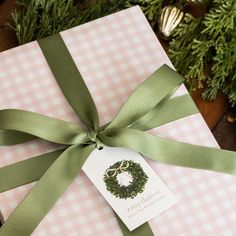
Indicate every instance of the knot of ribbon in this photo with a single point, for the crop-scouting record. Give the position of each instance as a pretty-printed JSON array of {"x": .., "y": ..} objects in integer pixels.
[
  {"x": 149, "y": 106},
  {"x": 94, "y": 138},
  {"x": 121, "y": 168}
]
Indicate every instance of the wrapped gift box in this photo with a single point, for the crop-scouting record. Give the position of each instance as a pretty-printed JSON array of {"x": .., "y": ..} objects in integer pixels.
[{"x": 114, "y": 54}]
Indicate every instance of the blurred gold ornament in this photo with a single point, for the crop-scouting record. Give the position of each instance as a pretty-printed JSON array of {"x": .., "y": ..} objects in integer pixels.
[
  {"x": 170, "y": 17},
  {"x": 195, "y": 1},
  {"x": 231, "y": 119}
]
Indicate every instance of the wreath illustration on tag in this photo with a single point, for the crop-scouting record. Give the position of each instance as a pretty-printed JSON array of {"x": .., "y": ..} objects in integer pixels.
[{"x": 125, "y": 179}]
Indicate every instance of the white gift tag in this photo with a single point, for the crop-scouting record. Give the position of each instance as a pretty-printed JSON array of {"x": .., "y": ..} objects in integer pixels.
[{"x": 128, "y": 184}]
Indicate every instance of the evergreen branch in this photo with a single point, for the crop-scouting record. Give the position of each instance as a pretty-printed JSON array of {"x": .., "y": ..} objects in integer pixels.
[
  {"x": 222, "y": 17},
  {"x": 209, "y": 41},
  {"x": 198, "y": 43},
  {"x": 100, "y": 8},
  {"x": 40, "y": 18},
  {"x": 200, "y": 51},
  {"x": 151, "y": 8},
  {"x": 181, "y": 50}
]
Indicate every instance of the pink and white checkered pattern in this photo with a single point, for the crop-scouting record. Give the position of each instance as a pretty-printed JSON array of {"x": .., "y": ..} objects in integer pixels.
[{"x": 114, "y": 54}]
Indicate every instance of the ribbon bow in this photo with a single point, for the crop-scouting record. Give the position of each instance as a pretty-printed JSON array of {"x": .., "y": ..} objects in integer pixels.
[
  {"x": 121, "y": 168},
  {"x": 149, "y": 106}
]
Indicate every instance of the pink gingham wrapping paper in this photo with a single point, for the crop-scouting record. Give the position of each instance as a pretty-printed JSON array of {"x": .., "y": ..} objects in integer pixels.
[{"x": 114, "y": 54}]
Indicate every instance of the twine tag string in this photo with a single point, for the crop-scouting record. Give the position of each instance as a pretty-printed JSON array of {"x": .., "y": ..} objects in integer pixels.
[{"x": 122, "y": 167}]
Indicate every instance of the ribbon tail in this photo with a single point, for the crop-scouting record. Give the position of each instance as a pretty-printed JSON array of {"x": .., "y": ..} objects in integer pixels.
[
  {"x": 46, "y": 192},
  {"x": 143, "y": 230},
  {"x": 161, "y": 84},
  {"x": 26, "y": 171},
  {"x": 12, "y": 137},
  {"x": 69, "y": 79},
  {"x": 171, "y": 152}
]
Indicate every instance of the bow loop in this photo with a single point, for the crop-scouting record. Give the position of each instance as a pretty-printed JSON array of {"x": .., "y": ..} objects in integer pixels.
[{"x": 159, "y": 85}]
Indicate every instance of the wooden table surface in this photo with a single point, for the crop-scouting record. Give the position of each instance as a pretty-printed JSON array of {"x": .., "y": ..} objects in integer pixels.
[{"x": 215, "y": 113}]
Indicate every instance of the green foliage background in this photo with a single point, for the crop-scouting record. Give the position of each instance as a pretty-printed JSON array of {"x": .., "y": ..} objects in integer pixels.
[
  {"x": 208, "y": 41},
  {"x": 202, "y": 49}
]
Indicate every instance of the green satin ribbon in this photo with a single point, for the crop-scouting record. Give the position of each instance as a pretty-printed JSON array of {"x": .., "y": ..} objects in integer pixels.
[{"x": 150, "y": 105}]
